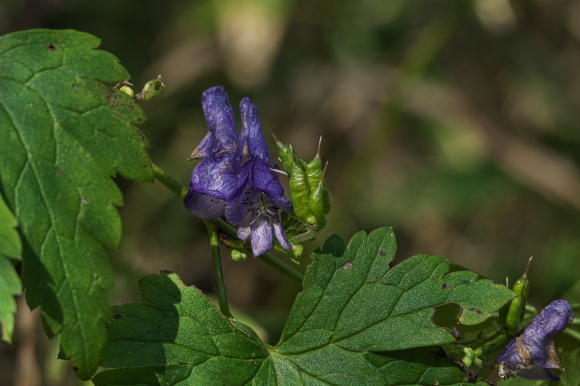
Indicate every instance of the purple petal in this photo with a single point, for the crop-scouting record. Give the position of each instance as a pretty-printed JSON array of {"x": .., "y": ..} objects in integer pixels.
[
  {"x": 244, "y": 230},
  {"x": 279, "y": 232},
  {"x": 242, "y": 198},
  {"x": 215, "y": 177},
  {"x": 266, "y": 180},
  {"x": 203, "y": 206},
  {"x": 219, "y": 116},
  {"x": 252, "y": 137},
  {"x": 261, "y": 235}
]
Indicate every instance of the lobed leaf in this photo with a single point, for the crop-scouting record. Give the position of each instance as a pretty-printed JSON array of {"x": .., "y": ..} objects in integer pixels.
[
  {"x": 10, "y": 285},
  {"x": 65, "y": 133},
  {"x": 356, "y": 322},
  {"x": 353, "y": 304},
  {"x": 180, "y": 337}
]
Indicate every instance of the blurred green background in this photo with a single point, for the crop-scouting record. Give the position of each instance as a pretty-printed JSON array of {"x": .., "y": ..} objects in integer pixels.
[{"x": 454, "y": 122}]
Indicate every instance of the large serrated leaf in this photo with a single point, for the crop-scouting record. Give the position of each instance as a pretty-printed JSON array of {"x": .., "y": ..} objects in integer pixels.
[
  {"x": 356, "y": 322},
  {"x": 65, "y": 132},
  {"x": 179, "y": 338},
  {"x": 10, "y": 286},
  {"x": 354, "y": 303},
  {"x": 10, "y": 248}
]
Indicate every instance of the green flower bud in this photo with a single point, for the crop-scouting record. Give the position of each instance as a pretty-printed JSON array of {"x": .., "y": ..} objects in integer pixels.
[
  {"x": 150, "y": 90},
  {"x": 127, "y": 90},
  {"x": 238, "y": 255},
  {"x": 125, "y": 87},
  {"x": 512, "y": 314}
]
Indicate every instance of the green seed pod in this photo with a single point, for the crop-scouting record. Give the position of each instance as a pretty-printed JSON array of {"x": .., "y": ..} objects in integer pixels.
[
  {"x": 512, "y": 314},
  {"x": 319, "y": 196},
  {"x": 308, "y": 193}
]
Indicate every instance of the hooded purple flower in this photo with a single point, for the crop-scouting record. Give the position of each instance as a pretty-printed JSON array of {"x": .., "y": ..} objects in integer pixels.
[
  {"x": 258, "y": 196},
  {"x": 237, "y": 177},
  {"x": 214, "y": 179},
  {"x": 532, "y": 352}
]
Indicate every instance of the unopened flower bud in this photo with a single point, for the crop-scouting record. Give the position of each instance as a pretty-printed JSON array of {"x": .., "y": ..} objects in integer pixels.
[
  {"x": 238, "y": 255},
  {"x": 512, "y": 314},
  {"x": 150, "y": 90}
]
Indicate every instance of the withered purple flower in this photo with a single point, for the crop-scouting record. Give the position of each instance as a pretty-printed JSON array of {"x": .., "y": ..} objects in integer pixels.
[
  {"x": 237, "y": 176},
  {"x": 532, "y": 353}
]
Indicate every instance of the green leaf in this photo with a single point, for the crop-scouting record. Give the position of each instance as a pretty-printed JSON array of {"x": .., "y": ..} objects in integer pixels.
[
  {"x": 10, "y": 245},
  {"x": 354, "y": 303},
  {"x": 65, "y": 133},
  {"x": 356, "y": 322},
  {"x": 179, "y": 337},
  {"x": 10, "y": 285},
  {"x": 343, "y": 281}
]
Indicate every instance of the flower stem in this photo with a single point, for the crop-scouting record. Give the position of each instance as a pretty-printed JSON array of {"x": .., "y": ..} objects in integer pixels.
[
  {"x": 175, "y": 187},
  {"x": 180, "y": 191},
  {"x": 281, "y": 267},
  {"x": 217, "y": 267},
  {"x": 267, "y": 258}
]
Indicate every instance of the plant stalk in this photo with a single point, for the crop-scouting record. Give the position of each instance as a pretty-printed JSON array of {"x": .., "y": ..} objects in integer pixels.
[{"x": 212, "y": 230}]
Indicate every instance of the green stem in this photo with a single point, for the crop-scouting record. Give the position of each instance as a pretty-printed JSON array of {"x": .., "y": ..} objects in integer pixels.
[
  {"x": 175, "y": 187},
  {"x": 212, "y": 230},
  {"x": 281, "y": 267},
  {"x": 180, "y": 191},
  {"x": 267, "y": 258}
]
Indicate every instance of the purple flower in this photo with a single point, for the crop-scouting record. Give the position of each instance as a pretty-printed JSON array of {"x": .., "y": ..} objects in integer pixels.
[
  {"x": 237, "y": 177},
  {"x": 532, "y": 353},
  {"x": 214, "y": 179},
  {"x": 258, "y": 197}
]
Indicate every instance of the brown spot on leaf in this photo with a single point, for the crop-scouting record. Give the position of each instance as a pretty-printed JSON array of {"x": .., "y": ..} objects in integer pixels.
[
  {"x": 383, "y": 253},
  {"x": 117, "y": 316},
  {"x": 453, "y": 331},
  {"x": 444, "y": 286},
  {"x": 51, "y": 47}
]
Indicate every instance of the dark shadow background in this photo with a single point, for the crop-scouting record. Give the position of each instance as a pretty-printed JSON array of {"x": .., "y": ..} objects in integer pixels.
[{"x": 455, "y": 122}]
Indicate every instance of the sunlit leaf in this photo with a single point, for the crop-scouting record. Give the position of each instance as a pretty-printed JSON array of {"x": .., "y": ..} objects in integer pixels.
[
  {"x": 65, "y": 132},
  {"x": 356, "y": 322},
  {"x": 10, "y": 248}
]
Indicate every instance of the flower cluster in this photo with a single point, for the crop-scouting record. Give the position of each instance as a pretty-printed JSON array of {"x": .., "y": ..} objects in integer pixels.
[
  {"x": 236, "y": 176},
  {"x": 532, "y": 353}
]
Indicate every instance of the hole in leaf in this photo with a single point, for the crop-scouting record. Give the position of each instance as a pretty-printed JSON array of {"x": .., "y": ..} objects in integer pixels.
[
  {"x": 446, "y": 315},
  {"x": 51, "y": 47}
]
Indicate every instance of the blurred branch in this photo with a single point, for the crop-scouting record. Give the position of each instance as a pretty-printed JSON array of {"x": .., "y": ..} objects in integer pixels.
[{"x": 544, "y": 171}]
